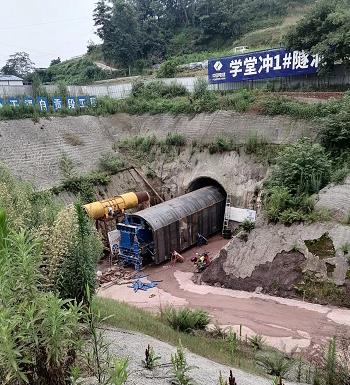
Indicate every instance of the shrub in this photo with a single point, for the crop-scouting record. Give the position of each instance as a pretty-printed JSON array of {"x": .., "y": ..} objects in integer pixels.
[
  {"x": 302, "y": 167},
  {"x": 180, "y": 368},
  {"x": 167, "y": 69},
  {"x": 254, "y": 143},
  {"x": 40, "y": 333},
  {"x": 275, "y": 364},
  {"x": 158, "y": 89},
  {"x": 222, "y": 144},
  {"x": 66, "y": 166},
  {"x": 276, "y": 200},
  {"x": 256, "y": 342},
  {"x": 200, "y": 88},
  {"x": 290, "y": 216},
  {"x": 175, "y": 139},
  {"x": 185, "y": 319},
  {"x": 25, "y": 207},
  {"x": 84, "y": 185},
  {"x": 209, "y": 102},
  {"x": 335, "y": 133},
  {"x": 78, "y": 270},
  {"x": 339, "y": 175},
  {"x": 151, "y": 359},
  {"x": 239, "y": 101},
  {"x": 346, "y": 219},
  {"x": 248, "y": 225},
  {"x": 110, "y": 162}
]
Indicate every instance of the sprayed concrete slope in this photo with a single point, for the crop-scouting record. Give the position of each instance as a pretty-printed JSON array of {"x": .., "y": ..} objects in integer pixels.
[
  {"x": 239, "y": 260},
  {"x": 32, "y": 150}
]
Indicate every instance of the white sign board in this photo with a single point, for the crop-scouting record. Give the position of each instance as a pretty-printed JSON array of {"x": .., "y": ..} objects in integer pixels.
[
  {"x": 240, "y": 215},
  {"x": 113, "y": 238}
]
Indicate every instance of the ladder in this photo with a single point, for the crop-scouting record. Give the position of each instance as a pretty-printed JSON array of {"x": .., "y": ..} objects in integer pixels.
[{"x": 225, "y": 226}]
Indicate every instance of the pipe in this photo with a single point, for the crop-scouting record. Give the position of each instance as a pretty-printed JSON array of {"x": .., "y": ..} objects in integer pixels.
[{"x": 115, "y": 205}]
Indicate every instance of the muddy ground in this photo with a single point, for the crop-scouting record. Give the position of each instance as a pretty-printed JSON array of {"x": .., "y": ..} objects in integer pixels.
[{"x": 285, "y": 323}]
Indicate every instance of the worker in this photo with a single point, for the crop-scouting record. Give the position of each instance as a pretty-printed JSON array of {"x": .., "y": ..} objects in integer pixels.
[
  {"x": 201, "y": 240},
  {"x": 176, "y": 257}
]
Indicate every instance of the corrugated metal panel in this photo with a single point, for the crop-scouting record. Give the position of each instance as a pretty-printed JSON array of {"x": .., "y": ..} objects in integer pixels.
[
  {"x": 176, "y": 223},
  {"x": 171, "y": 211}
]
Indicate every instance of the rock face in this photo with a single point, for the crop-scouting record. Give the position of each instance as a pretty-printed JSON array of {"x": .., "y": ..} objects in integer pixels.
[
  {"x": 277, "y": 277},
  {"x": 276, "y": 255},
  {"x": 336, "y": 198}
]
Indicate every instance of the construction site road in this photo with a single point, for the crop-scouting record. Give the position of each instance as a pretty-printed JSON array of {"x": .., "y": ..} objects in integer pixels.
[{"x": 287, "y": 324}]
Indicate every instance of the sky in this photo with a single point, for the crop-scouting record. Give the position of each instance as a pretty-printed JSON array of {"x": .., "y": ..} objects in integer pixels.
[{"x": 45, "y": 29}]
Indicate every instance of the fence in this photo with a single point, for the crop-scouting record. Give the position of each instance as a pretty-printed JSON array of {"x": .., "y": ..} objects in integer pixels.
[{"x": 338, "y": 79}]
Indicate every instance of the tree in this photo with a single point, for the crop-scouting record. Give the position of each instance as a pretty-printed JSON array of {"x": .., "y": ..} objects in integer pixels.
[
  {"x": 325, "y": 31},
  {"x": 18, "y": 64},
  {"x": 102, "y": 16},
  {"x": 55, "y": 61},
  {"x": 122, "y": 35}
]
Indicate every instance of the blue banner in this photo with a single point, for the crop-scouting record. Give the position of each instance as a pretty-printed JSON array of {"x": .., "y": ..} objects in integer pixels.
[
  {"x": 57, "y": 103},
  {"x": 93, "y": 101},
  {"x": 28, "y": 101},
  {"x": 83, "y": 101},
  {"x": 261, "y": 65},
  {"x": 13, "y": 102},
  {"x": 43, "y": 103},
  {"x": 71, "y": 102}
]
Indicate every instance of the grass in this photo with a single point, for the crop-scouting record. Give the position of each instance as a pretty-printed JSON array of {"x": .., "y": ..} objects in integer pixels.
[
  {"x": 159, "y": 98},
  {"x": 323, "y": 292},
  {"x": 84, "y": 185},
  {"x": 128, "y": 317},
  {"x": 185, "y": 319},
  {"x": 110, "y": 163}
]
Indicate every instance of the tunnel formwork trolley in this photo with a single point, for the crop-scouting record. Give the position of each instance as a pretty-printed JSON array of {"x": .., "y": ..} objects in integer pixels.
[{"x": 151, "y": 235}]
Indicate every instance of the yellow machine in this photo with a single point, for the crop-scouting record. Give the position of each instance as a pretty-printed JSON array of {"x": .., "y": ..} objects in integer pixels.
[{"x": 109, "y": 208}]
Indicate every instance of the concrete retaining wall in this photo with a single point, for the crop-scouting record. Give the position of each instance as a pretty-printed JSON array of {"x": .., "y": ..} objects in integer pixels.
[{"x": 32, "y": 150}]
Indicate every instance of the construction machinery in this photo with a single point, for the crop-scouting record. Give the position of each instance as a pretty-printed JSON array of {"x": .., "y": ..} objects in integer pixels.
[
  {"x": 116, "y": 206},
  {"x": 107, "y": 213}
]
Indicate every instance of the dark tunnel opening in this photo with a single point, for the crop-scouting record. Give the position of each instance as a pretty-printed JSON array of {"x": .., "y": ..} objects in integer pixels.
[{"x": 205, "y": 181}]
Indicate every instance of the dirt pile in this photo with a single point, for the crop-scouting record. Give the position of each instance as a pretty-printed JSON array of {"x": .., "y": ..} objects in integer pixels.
[{"x": 308, "y": 260}]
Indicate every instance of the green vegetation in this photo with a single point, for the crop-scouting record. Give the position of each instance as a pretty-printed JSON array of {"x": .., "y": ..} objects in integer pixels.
[
  {"x": 157, "y": 89},
  {"x": 81, "y": 265},
  {"x": 40, "y": 332},
  {"x": 83, "y": 185},
  {"x": 301, "y": 170},
  {"x": 324, "y": 292},
  {"x": 74, "y": 72},
  {"x": 128, "y": 317},
  {"x": 222, "y": 144},
  {"x": 180, "y": 368},
  {"x": 275, "y": 364},
  {"x": 325, "y": 31},
  {"x": 151, "y": 359},
  {"x": 185, "y": 319},
  {"x": 134, "y": 32},
  {"x": 110, "y": 162},
  {"x": 167, "y": 69},
  {"x": 48, "y": 259}
]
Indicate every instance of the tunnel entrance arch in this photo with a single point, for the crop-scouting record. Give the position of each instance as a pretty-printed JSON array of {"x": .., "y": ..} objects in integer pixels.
[{"x": 205, "y": 181}]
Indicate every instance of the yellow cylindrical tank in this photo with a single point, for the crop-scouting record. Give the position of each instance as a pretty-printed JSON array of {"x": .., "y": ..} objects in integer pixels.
[{"x": 115, "y": 205}]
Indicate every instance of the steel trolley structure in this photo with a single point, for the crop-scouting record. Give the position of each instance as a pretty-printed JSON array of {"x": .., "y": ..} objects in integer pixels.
[{"x": 153, "y": 233}]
